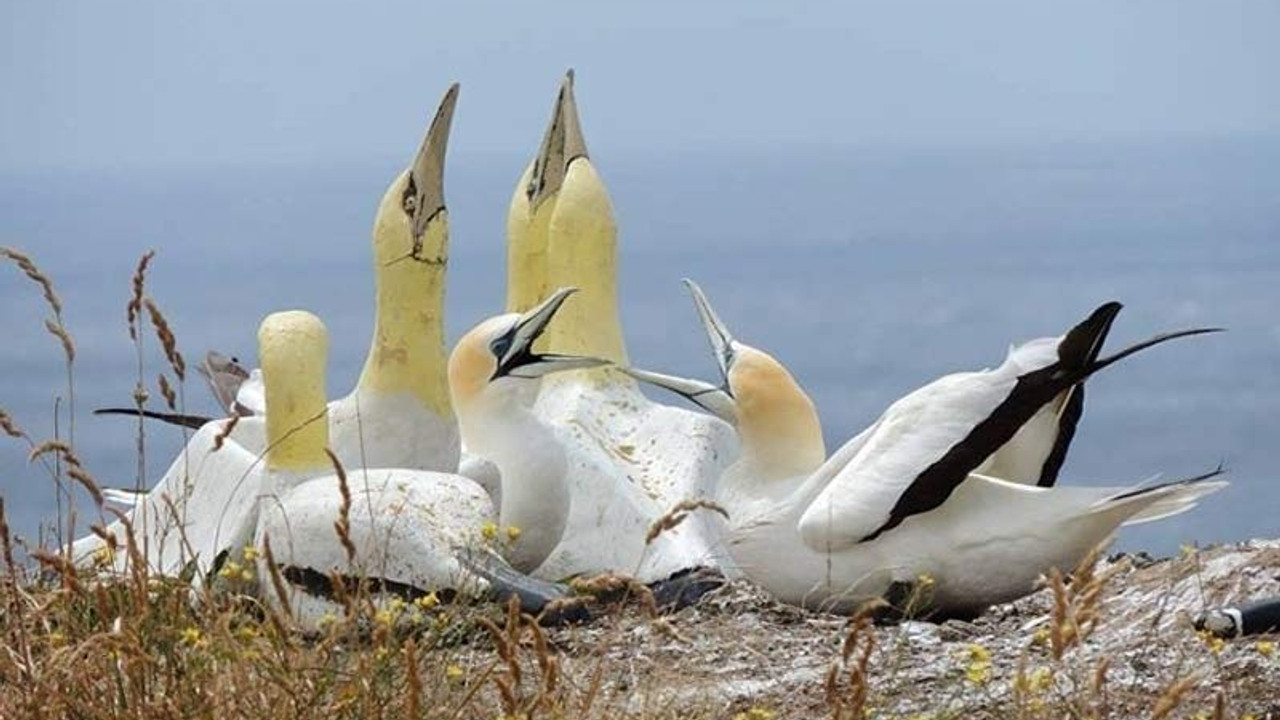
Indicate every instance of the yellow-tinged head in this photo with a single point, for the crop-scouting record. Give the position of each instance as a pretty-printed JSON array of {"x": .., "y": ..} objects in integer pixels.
[
  {"x": 530, "y": 211},
  {"x": 293, "y": 350},
  {"x": 497, "y": 356},
  {"x": 776, "y": 421},
  {"x": 561, "y": 232},
  {"x": 410, "y": 254}
]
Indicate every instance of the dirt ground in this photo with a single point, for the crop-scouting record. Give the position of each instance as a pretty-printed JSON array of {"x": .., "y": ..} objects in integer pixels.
[{"x": 739, "y": 654}]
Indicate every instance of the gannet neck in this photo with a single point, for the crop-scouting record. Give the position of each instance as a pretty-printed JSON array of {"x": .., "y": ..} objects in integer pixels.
[
  {"x": 582, "y": 252},
  {"x": 531, "y": 460},
  {"x": 293, "y": 348},
  {"x": 778, "y": 425},
  {"x": 408, "y": 351},
  {"x": 526, "y": 246},
  {"x": 496, "y": 423}
]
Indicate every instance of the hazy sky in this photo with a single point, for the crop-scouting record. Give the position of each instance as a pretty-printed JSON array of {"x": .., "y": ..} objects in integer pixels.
[{"x": 140, "y": 84}]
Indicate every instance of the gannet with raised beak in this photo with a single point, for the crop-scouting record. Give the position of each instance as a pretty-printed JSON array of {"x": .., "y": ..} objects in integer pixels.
[
  {"x": 635, "y": 458},
  {"x": 408, "y": 527},
  {"x": 399, "y": 413},
  {"x": 902, "y": 500}
]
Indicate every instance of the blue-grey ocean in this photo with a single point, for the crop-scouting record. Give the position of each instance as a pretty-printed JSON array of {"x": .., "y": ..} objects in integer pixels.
[{"x": 868, "y": 270}]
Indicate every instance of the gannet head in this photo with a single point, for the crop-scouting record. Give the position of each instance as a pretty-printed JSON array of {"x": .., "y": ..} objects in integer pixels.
[
  {"x": 561, "y": 232},
  {"x": 293, "y": 349},
  {"x": 775, "y": 418},
  {"x": 495, "y": 360},
  {"x": 533, "y": 202},
  {"x": 413, "y": 206},
  {"x": 410, "y": 254}
]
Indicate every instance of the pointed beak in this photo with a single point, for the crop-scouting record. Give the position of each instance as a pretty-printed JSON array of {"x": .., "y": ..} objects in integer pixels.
[
  {"x": 424, "y": 194},
  {"x": 519, "y": 360},
  {"x": 561, "y": 145},
  {"x": 718, "y": 334},
  {"x": 715, "y": 400}
]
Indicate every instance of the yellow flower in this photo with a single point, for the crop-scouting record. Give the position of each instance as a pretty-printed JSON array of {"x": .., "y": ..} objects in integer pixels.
[
  {"x": 57, "y": 639},
  {"x": 1041, "y": 637},
  {"x": 246, "y": 575},
  {"x": 384, "y": 618},
  {"x": 453, "y": 673},
  {"x": 756, "y": 713},
  {"x": 513, "y": 533},
  {"x": 978, "y": 671},
  {"x": 1215, "y": 643},
  {"x": 428, "y": 601},
  {"x": 250, "y": 553},
  {"x": 192, "y": 636},
  {"x": 1041, "y": 680},
  {"x": 396, "y": 605},
  {"x": 230, "y": 569},
  {"x": 1265, "y": 648},
  {"x": 103, "y": 556},
  {"x": 489, "y": 530}
]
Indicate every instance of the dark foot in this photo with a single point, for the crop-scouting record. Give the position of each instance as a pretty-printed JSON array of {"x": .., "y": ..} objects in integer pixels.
[
  {"x": 685, "y": 588},
  {"x": 536, "y": 597}
]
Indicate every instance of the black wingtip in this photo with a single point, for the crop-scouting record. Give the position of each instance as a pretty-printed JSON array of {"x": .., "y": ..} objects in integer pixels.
[
  {"x": 1081, "y": 345},
  {"x": 1151, "y": 342},
  {"x": 189, "y": 421}
]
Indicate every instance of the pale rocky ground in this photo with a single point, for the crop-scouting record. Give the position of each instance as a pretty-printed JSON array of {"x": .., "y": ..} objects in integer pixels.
[{"x": 739, "y": 650}]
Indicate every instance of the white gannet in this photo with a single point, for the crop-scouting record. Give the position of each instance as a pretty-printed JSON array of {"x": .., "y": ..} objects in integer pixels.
[
  {"x": 633, "y": 459},
  {"x": 901, "y": 500},
  {"x": 408, "y": 527},
  {"x": 202, "y": 508},
  {"x": 399, "y": 413}
]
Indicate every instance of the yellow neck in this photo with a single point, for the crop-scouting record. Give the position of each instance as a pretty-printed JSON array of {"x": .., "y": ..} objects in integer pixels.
[
  {"x": 527, "y": 248},
  {"x": 408, "y": 351},
  {"x": 582, "y": 243},
  {"x": 293, "y": 350}
]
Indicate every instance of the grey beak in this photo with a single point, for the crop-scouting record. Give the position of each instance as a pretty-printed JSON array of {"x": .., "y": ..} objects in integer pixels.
[
  {"x": 519, "y": 360},
  {"x": 561, "y": 145},
  {"x": 717, "y": 332},
  {"x": 713, "y": 399},
  {"x": 424, "y": 196}
]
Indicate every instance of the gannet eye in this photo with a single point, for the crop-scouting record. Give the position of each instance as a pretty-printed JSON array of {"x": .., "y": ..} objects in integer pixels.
[{"x": 500, "y": 345}]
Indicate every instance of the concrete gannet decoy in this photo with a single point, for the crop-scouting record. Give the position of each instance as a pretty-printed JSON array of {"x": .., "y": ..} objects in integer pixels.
[
  {"x": 204, "y": 509},
  {"x": 562, "y": 232},
  {"x": 901, "y": 501},
  {"x": 399, "y": 414},
  {"x": 410, "y": 528}
]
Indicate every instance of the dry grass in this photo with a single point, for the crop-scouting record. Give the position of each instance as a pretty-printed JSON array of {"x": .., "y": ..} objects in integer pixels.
[{"x": 1108, "y": 641}]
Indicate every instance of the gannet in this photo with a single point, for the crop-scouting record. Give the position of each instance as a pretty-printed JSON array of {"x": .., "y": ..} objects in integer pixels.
[
  {"x": 633, "y": 459},
  {"x": 901, "y": 500},
  {"x": 202, "y": 508},
  {"x": 408, "y": 527},
  {"x": 399, "y": 413}
]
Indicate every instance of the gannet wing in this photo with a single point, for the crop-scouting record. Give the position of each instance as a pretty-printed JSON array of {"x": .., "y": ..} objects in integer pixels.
[
  {"x": 927, "y": 443},
  {"x": 224, "y": 375},
  {"x": 251, "y": 397}
]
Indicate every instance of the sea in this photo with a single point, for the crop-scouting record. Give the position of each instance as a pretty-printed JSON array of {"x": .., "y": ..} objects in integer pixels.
[{"x": 869, "y": 271}]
